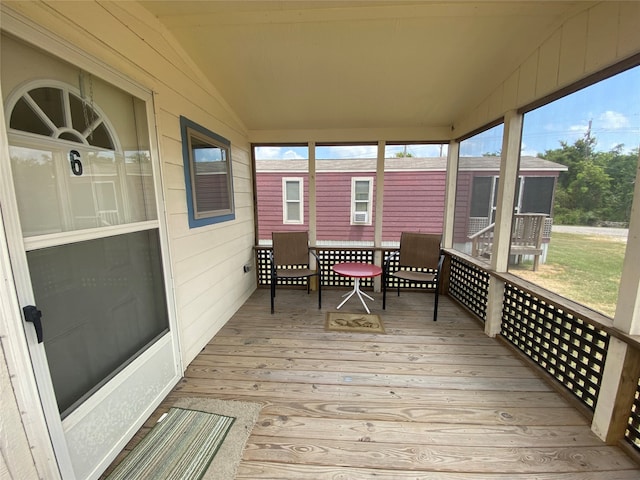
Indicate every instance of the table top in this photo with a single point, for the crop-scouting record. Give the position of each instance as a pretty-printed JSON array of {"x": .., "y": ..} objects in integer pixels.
[{"x": 357, "y": 269}]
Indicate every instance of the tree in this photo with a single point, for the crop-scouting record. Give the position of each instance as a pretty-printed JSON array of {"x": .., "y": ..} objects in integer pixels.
[{"x": 597, "y": 187}]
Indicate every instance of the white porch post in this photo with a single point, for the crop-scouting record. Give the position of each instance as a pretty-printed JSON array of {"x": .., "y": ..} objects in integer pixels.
[
  {"x": 313, "y": 233},
  {"x": 509, "y": 165},
  {"x": 378, "y": 258},
  {"x": 622, "y": 367},
  {"x": 453, "y": 160}
]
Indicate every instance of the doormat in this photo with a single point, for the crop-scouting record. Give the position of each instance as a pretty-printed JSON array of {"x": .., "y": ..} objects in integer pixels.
[
  {"x": 199, "y": 438},
  {"x": 353, "y": 322}
]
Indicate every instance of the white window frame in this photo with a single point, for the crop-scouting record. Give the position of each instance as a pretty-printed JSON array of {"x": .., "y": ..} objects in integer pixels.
[
  {"x": 369, "y": 201},
  {"x": 286, "y": 201}
]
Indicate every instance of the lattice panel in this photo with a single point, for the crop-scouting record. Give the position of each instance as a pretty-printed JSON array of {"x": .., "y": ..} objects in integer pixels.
[
  {"x": 632, "y": 434},
  {"x": 567, "y": 347},
  {"x": 330, "y": 256},
  {"x": 470, "y": 286},
  {"x": 393, "y": 282},
  {"x": 263, "y": 262}
]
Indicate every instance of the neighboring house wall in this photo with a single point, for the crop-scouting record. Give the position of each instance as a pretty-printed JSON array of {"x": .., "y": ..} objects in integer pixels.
[
  {"x": 270, "y": 204},
  {"x": 333, "y": 210},
  {"x": 424, "y": 212},
  {"x": 413, "y": 201}
]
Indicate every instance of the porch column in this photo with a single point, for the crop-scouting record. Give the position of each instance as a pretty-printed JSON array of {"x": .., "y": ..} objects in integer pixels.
[
  {"x": 622, "y": 367},
  {"x": 313, "y": 233},
  {"x": 509, "y": 165},
  {"x": 453, "y": 160},
  {"x": 377, "y": 234}
]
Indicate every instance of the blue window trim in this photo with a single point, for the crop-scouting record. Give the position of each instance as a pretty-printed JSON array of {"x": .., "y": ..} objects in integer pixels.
[{"x": 186, "y": 124}]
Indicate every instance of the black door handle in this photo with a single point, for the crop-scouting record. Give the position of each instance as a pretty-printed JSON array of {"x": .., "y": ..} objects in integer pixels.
[{"x": 33, "y": 315}]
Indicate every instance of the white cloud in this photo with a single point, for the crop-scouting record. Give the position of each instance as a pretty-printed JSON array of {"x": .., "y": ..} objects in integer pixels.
[
  {"x": 292, "y": 155},
  {"x": 613, "y": 120},
  {"x": 579, "y": 128}
]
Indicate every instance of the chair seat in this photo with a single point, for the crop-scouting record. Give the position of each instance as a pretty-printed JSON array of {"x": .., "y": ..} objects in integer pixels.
[
  {"x": 294, "y": 272},
  {"x": 414, "y": 276}
]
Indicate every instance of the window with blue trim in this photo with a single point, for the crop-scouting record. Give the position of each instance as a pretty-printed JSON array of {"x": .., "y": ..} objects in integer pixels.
[{"x": 207, "y": 173}]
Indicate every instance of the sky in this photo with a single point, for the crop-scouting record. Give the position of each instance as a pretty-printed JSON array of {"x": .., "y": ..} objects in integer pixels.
[{"x": 610, "y": 108}]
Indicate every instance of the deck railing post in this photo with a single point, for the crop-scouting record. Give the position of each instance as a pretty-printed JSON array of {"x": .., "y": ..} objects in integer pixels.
[
  {"x": 495, "y": 302},
  {"x": 622, "y": 367},
  {"x": 619, "y": 384}
]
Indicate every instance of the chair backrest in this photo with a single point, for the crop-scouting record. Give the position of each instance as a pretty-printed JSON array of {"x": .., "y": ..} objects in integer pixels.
[
  {"x": 527, "y": 229},
  {"x": 420, "y": 250},
  {"x": 290, "y": 248}
]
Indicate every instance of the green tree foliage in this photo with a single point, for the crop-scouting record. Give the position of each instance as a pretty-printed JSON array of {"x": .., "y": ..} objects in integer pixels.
[{"x": 597, "y": 187}]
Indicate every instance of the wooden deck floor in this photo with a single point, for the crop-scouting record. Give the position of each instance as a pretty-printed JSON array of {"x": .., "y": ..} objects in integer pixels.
[{"x": 424, "y": 400}]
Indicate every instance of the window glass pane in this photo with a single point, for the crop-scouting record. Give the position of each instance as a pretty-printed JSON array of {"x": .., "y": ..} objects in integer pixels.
[
  {"x": 362, "y": 190},
  {"x": 478, "y": 169},
  {"x": 23, "y": 118},
  {"x": 52, "y": 198},
  {"x": 51, "y": 102},
  {"x": 414, "y": 185},
  {"x": 117, "y": 308},
  {"x": 293, "y": 190},
  {"x": 336, "y": 167},
  {"x": 589, "y": 143},
  {"x": 293, "y": 211},
  {"x": 208, "y": 176},
  {"x": 273, "y": 164},
  {"x": 210, "y": 170}
]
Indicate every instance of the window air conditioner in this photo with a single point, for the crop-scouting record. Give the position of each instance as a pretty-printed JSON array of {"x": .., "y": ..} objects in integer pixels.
[{"x": 360, "y": 217}]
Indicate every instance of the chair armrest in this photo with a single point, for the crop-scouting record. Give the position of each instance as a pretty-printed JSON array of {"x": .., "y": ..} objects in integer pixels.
[
  {"x": 318, "y": 261},
  {"x": 387, "y": 262}
]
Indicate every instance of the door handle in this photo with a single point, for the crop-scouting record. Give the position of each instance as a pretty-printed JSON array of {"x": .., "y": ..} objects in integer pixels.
[{"x": 33, "y": 315}]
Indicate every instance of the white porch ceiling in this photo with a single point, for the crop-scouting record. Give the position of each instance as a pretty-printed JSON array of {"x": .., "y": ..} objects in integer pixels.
[{"x": 291, "y": 65}]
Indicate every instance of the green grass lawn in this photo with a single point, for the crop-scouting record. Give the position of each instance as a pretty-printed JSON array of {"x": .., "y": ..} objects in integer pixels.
[{"x": 583, "y": 268}]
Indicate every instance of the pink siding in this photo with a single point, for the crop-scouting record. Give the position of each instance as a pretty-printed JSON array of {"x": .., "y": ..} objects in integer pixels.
[
  {"x": 333, "y": 217},
  {"x": 413, "y": 201},
  {"x": 269, "y": 194}
]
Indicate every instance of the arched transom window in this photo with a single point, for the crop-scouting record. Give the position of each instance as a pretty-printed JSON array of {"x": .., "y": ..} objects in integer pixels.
[{"x": 56, "y": 111}]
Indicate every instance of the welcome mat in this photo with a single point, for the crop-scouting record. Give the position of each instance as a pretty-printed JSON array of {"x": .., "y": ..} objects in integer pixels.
[
  {"x": 353, "y": 322},
  {"x": 199, "y": 438}
]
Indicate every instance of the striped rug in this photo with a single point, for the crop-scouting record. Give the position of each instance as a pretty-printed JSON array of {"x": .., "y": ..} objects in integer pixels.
[{"x": 181, "y": 446}]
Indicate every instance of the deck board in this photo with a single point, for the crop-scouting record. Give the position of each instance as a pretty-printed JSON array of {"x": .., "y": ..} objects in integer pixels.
[{"x": 426, "y": 400}]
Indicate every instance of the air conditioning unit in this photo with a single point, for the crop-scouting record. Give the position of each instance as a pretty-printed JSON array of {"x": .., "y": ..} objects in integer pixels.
[{"x": 360, "y": 217}]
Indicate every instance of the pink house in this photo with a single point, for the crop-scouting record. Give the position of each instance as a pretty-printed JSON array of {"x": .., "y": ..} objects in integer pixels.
[{"x": 413, "y": 196}]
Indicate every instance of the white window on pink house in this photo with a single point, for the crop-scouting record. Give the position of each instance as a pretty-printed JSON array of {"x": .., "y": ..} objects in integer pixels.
[
  {"x": 292, "y": 201},
  {"x": 361, "y": 194}
]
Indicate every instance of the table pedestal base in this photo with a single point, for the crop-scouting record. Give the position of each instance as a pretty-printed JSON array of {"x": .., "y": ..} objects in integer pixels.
[{"x": 356, "y": 291}]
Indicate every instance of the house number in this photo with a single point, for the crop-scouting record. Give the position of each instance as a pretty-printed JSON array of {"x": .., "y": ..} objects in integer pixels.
[{"x": 76, "y": 164}]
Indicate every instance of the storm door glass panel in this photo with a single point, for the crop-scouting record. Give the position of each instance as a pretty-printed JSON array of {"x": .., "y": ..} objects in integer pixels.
[
  {"x": 77, "y": 172},
  {"x": 103, "y": 301}
]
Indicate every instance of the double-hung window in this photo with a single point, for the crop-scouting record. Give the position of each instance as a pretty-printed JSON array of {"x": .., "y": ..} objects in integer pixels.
[
  {"x": 361, "y": 194},
  {"x": 292, "y": 201},
  {"x": 208, "y": 178}
]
